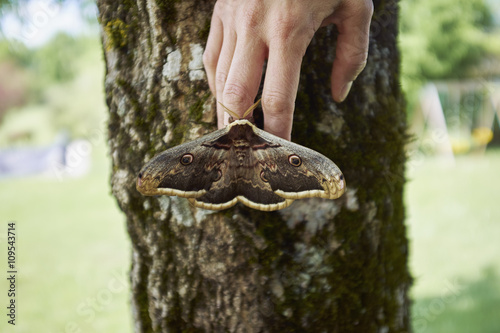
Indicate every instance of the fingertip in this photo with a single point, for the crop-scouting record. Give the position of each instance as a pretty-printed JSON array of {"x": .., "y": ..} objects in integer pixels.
[
  {"x": 281, "y": 127},
  {"x": 220, "y": 117},
  {"x": 340, "y": 93},
  {"x": 282, "y": 134},
  {"x": 345, "y": 90}
]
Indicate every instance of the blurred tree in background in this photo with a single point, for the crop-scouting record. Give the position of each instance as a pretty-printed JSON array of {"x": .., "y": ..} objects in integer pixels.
[
  {"x": 58, "y": 61},
  {"x": 52, "y": 87},
  {"x": 14, "y": 80},
  {"x": 445, "y": 39}
]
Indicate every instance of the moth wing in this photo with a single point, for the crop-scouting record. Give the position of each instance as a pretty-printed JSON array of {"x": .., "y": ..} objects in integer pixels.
[
  {"x": 187, "y": 170},
  {"x": 251, "y": 190},
  {"x": 314, "y": 175},
  {"x": 277, "y": 172}
]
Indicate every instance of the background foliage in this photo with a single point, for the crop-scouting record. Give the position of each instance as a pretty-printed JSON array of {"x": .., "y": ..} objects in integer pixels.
[
  {"x": 58, "y": 85},
  {"x": 447, "y": 39},
  {"x": 74, "y": 237}
]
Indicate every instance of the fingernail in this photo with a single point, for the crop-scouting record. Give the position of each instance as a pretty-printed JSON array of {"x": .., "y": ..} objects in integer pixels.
[{"x": 345, "y": 91}]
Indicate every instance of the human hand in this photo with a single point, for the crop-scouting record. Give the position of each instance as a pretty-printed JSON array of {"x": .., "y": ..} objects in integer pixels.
[{"x": 244, "y": 33}]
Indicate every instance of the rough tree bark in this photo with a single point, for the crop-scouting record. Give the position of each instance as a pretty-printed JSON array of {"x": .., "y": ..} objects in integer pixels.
[{"x": 317, "y": 266}]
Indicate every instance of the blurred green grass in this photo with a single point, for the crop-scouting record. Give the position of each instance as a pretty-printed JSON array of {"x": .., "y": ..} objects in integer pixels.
[
  {"x": 73, "y": 253},
  {"x": 454, "y": 230}
]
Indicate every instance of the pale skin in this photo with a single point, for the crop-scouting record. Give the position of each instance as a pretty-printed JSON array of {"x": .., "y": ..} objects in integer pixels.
[{"x": 245, "y": 33}]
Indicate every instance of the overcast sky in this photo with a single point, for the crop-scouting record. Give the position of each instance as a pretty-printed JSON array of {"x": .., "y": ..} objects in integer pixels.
[{"x": 37, "y": 21}]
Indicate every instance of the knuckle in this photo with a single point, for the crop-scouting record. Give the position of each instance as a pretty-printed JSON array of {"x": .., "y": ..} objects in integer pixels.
[
  {"x": 220, "y": 79},
  {"x": 220, "y": 8},
  {"x": 284, "y": 27},
  {"x": 209, "y": 58},
  {"x": 359, "y": 58},
  {"x": 252, "y": 17},
  {"x": 354, "y": 55},
  {"x": 364, "y": 8},
  {"x": 282, "y": 32},
  {"x": 236, "y": 95},
  {"x": 369, "y": 7},
  {"x": 276, "y": 104},
  {"x": 357, "y": 62},
  {"x": 290, "y": 34}
]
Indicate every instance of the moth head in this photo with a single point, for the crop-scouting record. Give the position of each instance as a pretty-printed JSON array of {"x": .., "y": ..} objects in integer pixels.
[
  {"x": 140, "y": 183},
  {"x": 146, "y": 183}
]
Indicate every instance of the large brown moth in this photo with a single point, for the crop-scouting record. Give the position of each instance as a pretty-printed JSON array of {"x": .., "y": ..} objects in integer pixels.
[{"x": 241, "y": 163}]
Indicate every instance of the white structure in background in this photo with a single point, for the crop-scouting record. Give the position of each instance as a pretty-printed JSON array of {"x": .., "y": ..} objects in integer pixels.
[
  {"x": 471, "y": 125},
  {"x": 60, "y": 160},
  {"x": 433, "y": 114},
  {"x": 76, "y": 163}
]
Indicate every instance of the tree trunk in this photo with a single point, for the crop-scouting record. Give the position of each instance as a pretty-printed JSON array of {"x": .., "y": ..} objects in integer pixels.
[{"x": 317, "y": 266}]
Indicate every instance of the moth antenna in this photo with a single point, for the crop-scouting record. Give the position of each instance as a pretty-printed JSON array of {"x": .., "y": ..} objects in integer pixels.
[
  {"x": 247, "y": 112},
  {"x": 231, "y": 113}
]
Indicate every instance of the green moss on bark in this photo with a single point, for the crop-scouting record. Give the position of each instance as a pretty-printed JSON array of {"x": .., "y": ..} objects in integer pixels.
[
  {"x": 116, "y": 31},
  {"x": 197, "y": 107},
  {"x": 204, "y": 31}
]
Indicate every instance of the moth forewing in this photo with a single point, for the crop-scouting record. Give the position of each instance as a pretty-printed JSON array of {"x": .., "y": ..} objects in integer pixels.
[
  {"x": 318, "y": 167},
  {"x": 165, "y": 173}
]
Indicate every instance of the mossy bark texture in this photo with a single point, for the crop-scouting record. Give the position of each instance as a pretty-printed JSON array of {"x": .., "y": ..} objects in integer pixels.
[{"x": 317, "y": 266}]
